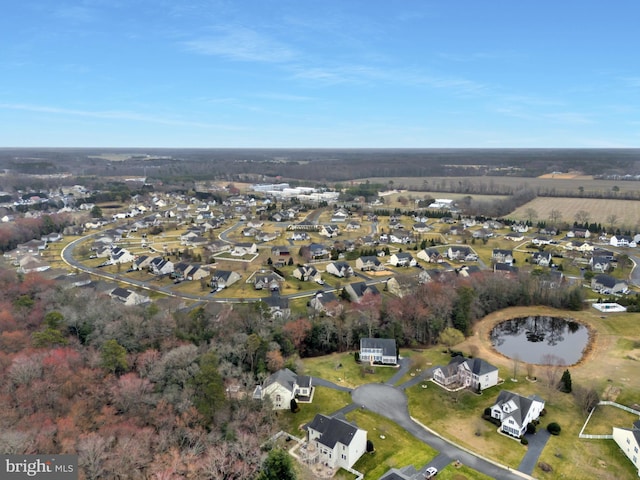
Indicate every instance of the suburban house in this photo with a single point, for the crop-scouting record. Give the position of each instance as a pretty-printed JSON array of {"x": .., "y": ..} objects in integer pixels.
[
  {"x": 317, "y": 251},
  {"x": 402, "y": 259},
  {"x": 307, "y": 273},
  {"x": 160, "y": 266},
  {"x": 579, "y": 233},
  {"x": 628, "y": 439},
  {"x": 241, "y": 249},
  {"x": 622, "y": 241},
  {"x": 358, "y": 290},
  {"x": 473, "y": 373},
  {"x": 541, "y": 240},
  {"x": 283, "y": 386},
  {"x": 403, "y": 285},
  {"x": 378, "y": 350},
  {"x": 502, "y": 256},
  {"x": 223, "y": 278},
  {"x": 339, "y": 444},
  {"x": 606, "y": 284},
  {"x": 461, "y": 254},
  {"x": 339, "y": 269},
  {"x": 515, "y": 412},
  {"x": 421, "y": 227},
  {"x": 142, "y": 262},
  {"x": 541, "y": 258},
  {"x": 430, "y": 255},
  {"x": 514, "y": 237},
  {"x": 128, "y": 297},
  {"x": 278, "y": 306},
  {"x": 369, "y": 263},
  {"x": 599, "y": 264},
  {"x": 327, "y": 303},
  {"x": 269, "y": 281}
]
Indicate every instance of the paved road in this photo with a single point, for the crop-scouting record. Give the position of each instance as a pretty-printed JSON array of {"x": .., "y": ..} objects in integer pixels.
[{"x": 392, "y": 403}]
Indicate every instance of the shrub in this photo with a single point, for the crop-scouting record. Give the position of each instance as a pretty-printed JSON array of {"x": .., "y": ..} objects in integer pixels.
[
  {"x": 356, "y": 356},
  {"x": 487, "y": 411},
  {"x": 524, "y": 441},
  {"x": 531, "y": 428},
  {"x": 370, "y": 448},
  {"x": 553, "y": 428}
]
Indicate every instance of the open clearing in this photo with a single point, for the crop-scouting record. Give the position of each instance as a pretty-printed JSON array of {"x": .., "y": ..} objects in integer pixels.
[{"x": 626, "y": 211}]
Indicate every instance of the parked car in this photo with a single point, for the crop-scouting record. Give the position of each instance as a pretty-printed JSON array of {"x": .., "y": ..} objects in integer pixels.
[{"x": 431, "y": 472}]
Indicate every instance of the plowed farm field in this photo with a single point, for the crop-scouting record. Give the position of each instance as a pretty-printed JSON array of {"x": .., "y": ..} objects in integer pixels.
[{"x": 627, "y": 212}]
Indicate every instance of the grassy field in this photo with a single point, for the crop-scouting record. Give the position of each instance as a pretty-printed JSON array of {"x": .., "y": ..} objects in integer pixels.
[
  {"x": 606, "y": 416},
  {"x": 626, "y": 211},
  {"x": 341, "y": 369},
  {"x": 559, "y": 183}
]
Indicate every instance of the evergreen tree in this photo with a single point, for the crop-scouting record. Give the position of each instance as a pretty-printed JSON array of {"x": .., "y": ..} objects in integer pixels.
[
  {"x": 277, "y": 466},
  {"x": 208, "y": 387},
  {"x": 565, "y": 382}
]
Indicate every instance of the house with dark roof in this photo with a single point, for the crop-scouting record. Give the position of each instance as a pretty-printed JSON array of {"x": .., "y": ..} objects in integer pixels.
[
  {"x": 369, "y": 262},
  {"x": 430, "y": 255},
  {"x": 607, "y": 285},
  {"x": 128, "y": 297},
  {"x": 473, "y": 373},
  {"x": 339, "y": 444},
  {"x": 541, "y": 258},
  {"x": 515, "y": 412},
  {"x": 402, "y": 259},
  {"x": 307, "y": 273},
  {"x": 326, "y": 303},
  {"x": 278, "y": 306},
  {"x": 269, "y": 281},
  {"x": 224, "y": 278},
  {"x": 340, "y": 269},
  {"x": 628, "y": 439},
  {"x": 358, "y": 290},
  {"x": 378, "y": 350},
  {"x": 283, "y": 386},
  {"x": 500, "y": 255}
]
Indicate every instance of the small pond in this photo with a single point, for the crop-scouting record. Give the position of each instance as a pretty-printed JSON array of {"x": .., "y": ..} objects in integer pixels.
[{"x": 540, "y": 339}]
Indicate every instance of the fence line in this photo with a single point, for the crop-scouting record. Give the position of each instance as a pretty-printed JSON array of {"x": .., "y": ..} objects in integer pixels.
[{"x": 609, "y": 403}]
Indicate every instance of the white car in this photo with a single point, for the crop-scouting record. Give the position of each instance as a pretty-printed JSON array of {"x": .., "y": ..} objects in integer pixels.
[{"x": 431, "y": 472}]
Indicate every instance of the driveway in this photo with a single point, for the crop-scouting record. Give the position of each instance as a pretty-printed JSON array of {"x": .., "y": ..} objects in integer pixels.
[
  {"x": 537, "y": 442},
  {"x": 392, "y": 403}
]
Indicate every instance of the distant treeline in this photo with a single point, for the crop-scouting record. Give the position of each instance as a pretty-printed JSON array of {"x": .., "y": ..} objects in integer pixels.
[{"x": 321, "y": 165}]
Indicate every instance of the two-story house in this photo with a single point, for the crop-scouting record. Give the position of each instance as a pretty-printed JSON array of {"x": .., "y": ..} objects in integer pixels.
[
  {"x": 340, "y": 444},
  {"x": 378, "y": 350},
  {"x": 515, "y": 412}
]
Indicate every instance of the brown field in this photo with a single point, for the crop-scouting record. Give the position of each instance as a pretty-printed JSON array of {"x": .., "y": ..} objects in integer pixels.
[
  {"x": 627, "y": 211},
  {"x": 560, "y": 183}
]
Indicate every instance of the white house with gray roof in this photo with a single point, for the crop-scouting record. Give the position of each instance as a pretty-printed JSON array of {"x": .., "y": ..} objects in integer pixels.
[
  {"x": 628, "y": 439},
  {"x": 515, "y": 412},
  {"x": 340, "y": 444},
  {"x": 473, "y": 373},
  {"x": 283, "y": 386},
  {"x": 378, "y": 350}
]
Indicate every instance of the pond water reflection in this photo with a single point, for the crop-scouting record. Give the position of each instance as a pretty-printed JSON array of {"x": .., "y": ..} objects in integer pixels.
[{"x": 541, "y": 339}]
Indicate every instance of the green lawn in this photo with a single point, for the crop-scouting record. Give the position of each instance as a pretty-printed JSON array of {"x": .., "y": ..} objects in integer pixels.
[
  {"x": 605, "y": 417},
  {"x": 342, "y": 369},
  {"x": 462, "y": 472},
  {"x": 325, "y": 401},
  {"x": 397, "y": 449}
]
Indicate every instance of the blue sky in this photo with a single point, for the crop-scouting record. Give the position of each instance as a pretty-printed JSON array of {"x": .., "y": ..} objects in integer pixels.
[{"x": 331, "y": 73}]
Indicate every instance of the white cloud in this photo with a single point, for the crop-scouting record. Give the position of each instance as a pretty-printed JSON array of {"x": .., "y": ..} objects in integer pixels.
[
  {"x": 242, "y": 44},
  {"x": 111, "y": 115}
]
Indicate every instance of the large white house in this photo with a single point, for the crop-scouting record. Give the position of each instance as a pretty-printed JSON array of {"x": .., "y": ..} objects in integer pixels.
[
  {"x": 283, "y": 386},
  {"x": 472, "y": 373},
  {"x": 628, "y": 439},
  {"x": 379, "y": 350},
  {"x": 515, "y": 412},
  {"x": 339, "y": 443}
]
